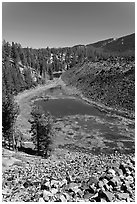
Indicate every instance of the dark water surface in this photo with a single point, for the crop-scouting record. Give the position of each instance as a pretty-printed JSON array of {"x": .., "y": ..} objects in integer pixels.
[
  {"x": 117, "y": 132},
  {"x": 69, "y": 106}
]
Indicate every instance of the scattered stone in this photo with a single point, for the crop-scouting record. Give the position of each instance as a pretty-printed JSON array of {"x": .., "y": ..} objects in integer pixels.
[
  {"x": 101, "y": 184},
  {"x": 41, "y": 200},
  {"x": 75, "y": 177},
  {"x": 123, "y": 196},
  {"x": 109, "y": 196},
  {"x": 47, "y": 193},
  {"x": 63, "y": 198},
  {"x": 111, "y": 172},
  {"x": 92, "y": 180},
  {"x": 27, "y": 184},
  {"x": 122, "y": 167}
]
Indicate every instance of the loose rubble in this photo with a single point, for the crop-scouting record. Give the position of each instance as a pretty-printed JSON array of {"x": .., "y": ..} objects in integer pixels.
[{"x": 71, "y": 177}]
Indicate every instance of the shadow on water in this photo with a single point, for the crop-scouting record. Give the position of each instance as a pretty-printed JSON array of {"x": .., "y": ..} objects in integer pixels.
[
  {"x": 56, "y": 91},
  {"x": 31, "y": 151},
  {"x": 27, "y": 150}
]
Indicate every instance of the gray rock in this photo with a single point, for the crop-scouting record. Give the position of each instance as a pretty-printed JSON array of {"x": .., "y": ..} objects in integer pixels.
[
  {"x": 122, "y": 167},
  {"x": 63, "y": 198},
  {"x": 47, "y": 193},
  {"x": 41, "y": 200},
  {"x": 123, "y": 196},
  {"x": 92, "y": 180},
  {"x": 109, "y": 196}
]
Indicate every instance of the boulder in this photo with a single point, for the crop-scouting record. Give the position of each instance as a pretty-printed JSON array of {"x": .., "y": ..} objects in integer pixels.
[{"x": 41, "y": 200}]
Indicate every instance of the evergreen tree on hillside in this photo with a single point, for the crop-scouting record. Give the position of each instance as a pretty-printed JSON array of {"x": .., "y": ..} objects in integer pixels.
[
  {"x": 28, "y": 78},
  {"x": 90, "y": 53},
  {"x": 22, "y": 58},
  {"x": 14, "y": 53},
  {"x": 10, "y": 111},
  {"x": 48, "y": 51},
  {"x": 73, "y": 61},
  {"x": 7, "y": 77},
  {"x": 28, "y": 59},
  {"x": 55, "y": 63},
  {"x": 50, "y": 71},
  {"x": 44, "y": 67},
  {"x": 6, "y": 50},
  {"x": 22, "y": 55},
  {"x": 12, "y": 77},
  {"x": 41, "y": 129},
  {"x": 19, "y": 84}
]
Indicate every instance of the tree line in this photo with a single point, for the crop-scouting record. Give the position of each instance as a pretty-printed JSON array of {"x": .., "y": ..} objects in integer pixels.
[
  {"x": 15, "y": 80},
  {"x": 48, "y": 60}
]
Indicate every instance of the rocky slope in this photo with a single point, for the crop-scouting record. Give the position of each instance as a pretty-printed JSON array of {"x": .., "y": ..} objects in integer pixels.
[
  {"x": 68, "y": 176},
  {"x": 111, "y": 82}
]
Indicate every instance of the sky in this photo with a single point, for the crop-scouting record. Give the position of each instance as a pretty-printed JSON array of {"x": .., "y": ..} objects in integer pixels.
[{"x": 61, "y": 24}]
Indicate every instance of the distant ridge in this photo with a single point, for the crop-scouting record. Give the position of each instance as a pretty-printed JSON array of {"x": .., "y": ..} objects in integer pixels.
[{"x": 125, "y": 44}]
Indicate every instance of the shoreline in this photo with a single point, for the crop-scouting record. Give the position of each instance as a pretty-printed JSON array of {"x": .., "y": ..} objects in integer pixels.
[
  {"x": 28, "y": 97},
  {"x": 24, "y": 100},
  {"x": 101, "y": 105}
]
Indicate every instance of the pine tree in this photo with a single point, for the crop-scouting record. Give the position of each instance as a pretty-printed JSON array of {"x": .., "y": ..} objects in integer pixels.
[
  {"x": 7, "y": 77},
  {"x": 6, "y": 50},
  {"x": 28, "y": 56},
  {"x": 14, "y": 53},
  {"x": 41, "y": 129},
  {"x": 22, "y": 57},
  {"x": 28, "y": 78},
  {"x": 10, "y": 111},
  {"x": 50, "y": 71}
]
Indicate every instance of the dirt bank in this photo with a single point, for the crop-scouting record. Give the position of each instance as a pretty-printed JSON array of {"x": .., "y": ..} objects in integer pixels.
[{"x": 24, "y": 100}]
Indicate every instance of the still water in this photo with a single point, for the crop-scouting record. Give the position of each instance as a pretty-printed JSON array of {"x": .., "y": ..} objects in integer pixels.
[
  {"x": 116, "y": 132},
  {"x": 69, "y": 106}
]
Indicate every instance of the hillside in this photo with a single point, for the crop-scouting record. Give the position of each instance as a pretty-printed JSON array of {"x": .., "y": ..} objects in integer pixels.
[
  {"x": 110, "y": 82},
  {"x": 117, "y": 46}
]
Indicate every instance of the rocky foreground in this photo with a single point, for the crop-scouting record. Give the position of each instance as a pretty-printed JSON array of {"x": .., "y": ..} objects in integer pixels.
[{"x": 69, "y": 176}]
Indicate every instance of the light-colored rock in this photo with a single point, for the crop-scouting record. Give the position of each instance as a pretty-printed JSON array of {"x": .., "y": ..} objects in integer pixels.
[
  {"x": 63, "y": 199},
  {"x": 46, "y": 193},
  {"x": 54, "y": 190},
  {"x": 41, "y": 200},
  {"x": 112, "y": 171}
]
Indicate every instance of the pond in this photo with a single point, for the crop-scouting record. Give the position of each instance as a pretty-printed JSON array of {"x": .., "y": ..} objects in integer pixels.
[
  {"x": 85, "y": 126},
  {"x": 68, "y": 106}
]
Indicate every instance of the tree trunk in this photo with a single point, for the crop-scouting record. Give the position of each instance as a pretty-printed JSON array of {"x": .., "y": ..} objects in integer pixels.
[
  {"x": 9, "y": 141},
  {"x": 37, "y": 139},
  {"x": 13, "y": 142}
]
